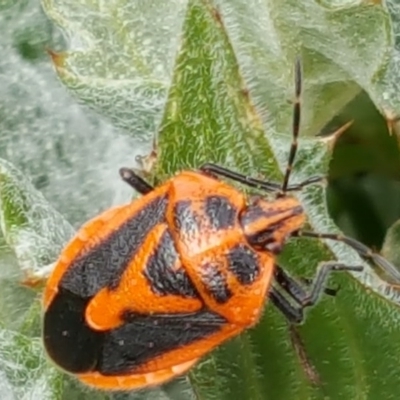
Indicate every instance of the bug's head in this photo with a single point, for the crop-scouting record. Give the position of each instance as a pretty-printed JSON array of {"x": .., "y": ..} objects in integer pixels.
[{"x": 267, "y": 224}]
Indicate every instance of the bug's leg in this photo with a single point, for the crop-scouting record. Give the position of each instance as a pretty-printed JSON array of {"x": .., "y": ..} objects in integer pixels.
[
  {"x": 308, "y": 297},
  {"x": 214, "y": 169},
  {"x": 295, "y": 288},
  {"x": 135, "y": 181},
  {"x": 290, "y": 285},
  {"x": 312, "y": 180},
  {"x": 294, "y": 314},
  {"x": 364, "y": 251},
  {"x": 217, "y": 170},
  {"x": 301, "y": 296}
]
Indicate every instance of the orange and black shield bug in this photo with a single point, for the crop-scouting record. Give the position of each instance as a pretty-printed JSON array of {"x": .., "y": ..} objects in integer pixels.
[{"x": 146, "y": 289}]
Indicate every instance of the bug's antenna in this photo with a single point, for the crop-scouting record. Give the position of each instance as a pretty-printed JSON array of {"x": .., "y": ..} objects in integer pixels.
[{"x": 295, "y": 126}]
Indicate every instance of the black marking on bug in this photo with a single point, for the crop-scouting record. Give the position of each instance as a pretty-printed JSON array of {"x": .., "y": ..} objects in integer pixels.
[
  {"x": 255, "y": 212},
  {"x": 77, "y": 348},
  {"x": 69, "y": 341},
  {"x": 161, "y": 275},
  {"x": 244, "y": 264},
  {"x": 103, "y": 265},
  {"x": 185, "y": 219},
  {"x": 265, "y": 237},
  {"x": 220, "y": 211},
  {"x": 144, "y": 337},
  {"x": 215, "y": 283}
]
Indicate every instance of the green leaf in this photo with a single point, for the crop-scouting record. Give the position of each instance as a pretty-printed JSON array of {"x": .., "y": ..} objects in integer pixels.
[
  {"x": 31, "y": 227},
  {"x": 33, "y": 234},
  {"x": 71, "y": 155},
  {"x": 123, "y": 64},
  {"x": 24, "y": 369},
  {"x": 215, "y": 81},
  {"x": 344, "y": 46}
]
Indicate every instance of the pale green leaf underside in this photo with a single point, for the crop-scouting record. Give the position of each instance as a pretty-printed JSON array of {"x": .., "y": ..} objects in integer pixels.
[
  {"x": 122, "y": 54},
  {"x": 30, "y": 226},
  {"x": 24, "y": 371}
]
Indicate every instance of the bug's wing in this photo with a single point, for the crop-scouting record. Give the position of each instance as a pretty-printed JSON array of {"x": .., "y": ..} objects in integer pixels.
[
  {"x": 147, "y": 343},
  {"x": 149, "y": 350},
  {"x": 154, "y": 282}
]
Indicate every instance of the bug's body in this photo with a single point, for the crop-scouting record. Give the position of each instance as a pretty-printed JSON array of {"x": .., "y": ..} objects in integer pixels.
[
  {"x": 156, "y": 284},
  {"x": 146, "y": 289}
]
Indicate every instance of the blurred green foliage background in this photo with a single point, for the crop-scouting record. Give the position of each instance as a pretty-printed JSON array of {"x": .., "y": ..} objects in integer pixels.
[{"x": 364, "y": 186}]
